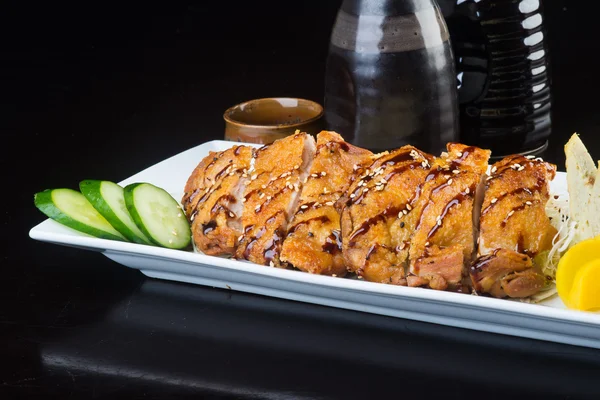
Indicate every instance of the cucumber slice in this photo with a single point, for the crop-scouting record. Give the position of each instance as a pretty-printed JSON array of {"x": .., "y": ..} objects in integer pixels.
[
  {"x": 72, "y": 209},
  {"x": 158, "y": 215},
  {"x": 108, "y": 199}
]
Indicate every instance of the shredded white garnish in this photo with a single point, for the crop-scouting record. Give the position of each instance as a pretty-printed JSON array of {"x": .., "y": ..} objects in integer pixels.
[{"x": 557, "y": 210}]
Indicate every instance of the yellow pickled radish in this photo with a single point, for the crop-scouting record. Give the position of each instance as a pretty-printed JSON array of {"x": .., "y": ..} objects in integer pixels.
[
  {"x": 585, "y": 293},
  {"x": 578, "y": 275}
]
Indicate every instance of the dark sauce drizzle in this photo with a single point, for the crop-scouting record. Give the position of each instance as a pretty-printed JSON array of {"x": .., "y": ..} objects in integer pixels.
[{"x": 459, "y": 198}]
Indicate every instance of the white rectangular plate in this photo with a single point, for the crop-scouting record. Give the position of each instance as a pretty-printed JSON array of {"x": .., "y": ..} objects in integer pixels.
[{"x": 549, "y": 320}]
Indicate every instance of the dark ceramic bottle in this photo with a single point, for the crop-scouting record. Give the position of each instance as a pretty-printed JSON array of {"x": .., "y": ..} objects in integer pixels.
[
  {"x": 502, "y": 66},
  {"x": 390, "y": 76}
]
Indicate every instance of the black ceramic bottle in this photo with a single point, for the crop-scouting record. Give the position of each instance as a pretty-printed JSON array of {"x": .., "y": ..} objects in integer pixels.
[
  {"x": 390, "y": 76},
  {"x": 502, "y": 66}
]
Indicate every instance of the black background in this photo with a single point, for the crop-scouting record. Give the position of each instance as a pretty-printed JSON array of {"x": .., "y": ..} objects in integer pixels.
[{"x": 98, "y": 90}]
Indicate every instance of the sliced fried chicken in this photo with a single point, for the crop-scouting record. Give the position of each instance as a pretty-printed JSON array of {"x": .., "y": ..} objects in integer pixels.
[
  {"x": 212, "y": 199},
  {"x": 513, "y": 219},
  {"x": 377, "y": 221},
  {"x": 443, "y": 243},
  {"x": 314, "y": 242},
  {"x": 271, "y": 197}
]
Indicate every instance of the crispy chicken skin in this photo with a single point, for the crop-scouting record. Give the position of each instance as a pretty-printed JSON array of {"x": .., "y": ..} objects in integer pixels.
[
  {"x": 271, "y": 197},
  {"x": 377, "y": 221},
  {"x": 212, "y": 199},
  {"x": 313, "y": 243},
  {"x": 443, "y": 242},
  {"x": 513, "y": 219}
]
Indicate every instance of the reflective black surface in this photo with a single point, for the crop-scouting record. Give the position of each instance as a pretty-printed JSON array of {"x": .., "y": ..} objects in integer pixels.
[{"x": 104, "y": 92}]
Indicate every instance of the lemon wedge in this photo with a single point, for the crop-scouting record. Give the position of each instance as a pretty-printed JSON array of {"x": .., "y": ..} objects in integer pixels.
[{"x": 578, "y": 276}]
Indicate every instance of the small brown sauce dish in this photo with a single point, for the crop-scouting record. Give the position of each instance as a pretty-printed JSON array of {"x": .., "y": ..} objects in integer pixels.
[{"x": 265, "y": 120}]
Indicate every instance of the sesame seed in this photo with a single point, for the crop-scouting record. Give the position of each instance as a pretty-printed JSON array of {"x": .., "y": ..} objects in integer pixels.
[
  {"x": 450, "y": 181},
  {"x": 365, "y": 190},
  {"x": 174, "y": 232},
  {"x": 261, "y": 195},
  {"x": 231, "y": 174},
  {"x": 367, "y": 172},
  {"x": 257, "y": 208},
  {"x": 459, "y": 154},
  {"x": 494, "y": 169},
  {"x": 360, "y": 183},
  {"x": 404, "y": 212},
  {"x": 467, "y": 190},
  {"x": 383, "y": 181},
  {"x": 240, "y": 238},
  {"x": 380, "y": 187},
  {"x": 539, "y": 159},
  {"x": 264, "y": 186},
  {"x": 334, "y": 275},
  {"x": 426, "y": 244},
  {"x": 360, "y": 277},
  {"x": 489, "y": 178},
  {"x": 444, "y": 154},
  {"x": 271, "y": 264},
  {"x": 329, "y": 203},
  {"x": 253, "y": 177},
  {"x": 456, "y": 171},
  {"x": 511, "y": 213},
  {"x": 317, "y": 204},
  {"x": 179, "y": 215},
  {"x": 355, "y": 167},
  {"x": 494, "y": 200},
  {"x": 408, "y": 207},
  {"x": 325, "y": 190},
  {"x": 323, "y": 173},
  {"x": 400, "y": 214},
  {"x": 232, "y": 215},
  {"x": 521, "y": 168},
  {"x": 528, "y": 203},
  {"x": 439, "y": 222},
  {"x": 530, "y": 157},
  {"x": 243, "y": 199},
  {"x": 303, "y": 207},
  {"x": 296, "y": 166},
  {"x": 314, "y": 175}
]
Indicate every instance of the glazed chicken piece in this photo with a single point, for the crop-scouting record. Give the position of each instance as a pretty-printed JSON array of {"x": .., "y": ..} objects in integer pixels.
[
  {"x": 514, "y": 228},
  {"x": 271, "y": 197},
  {"x": 443, "y": 244},
  {"x": 212, "y": 199},
  {"x": 313, "y": 243},
  {"x": 377, "y": 221}
]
